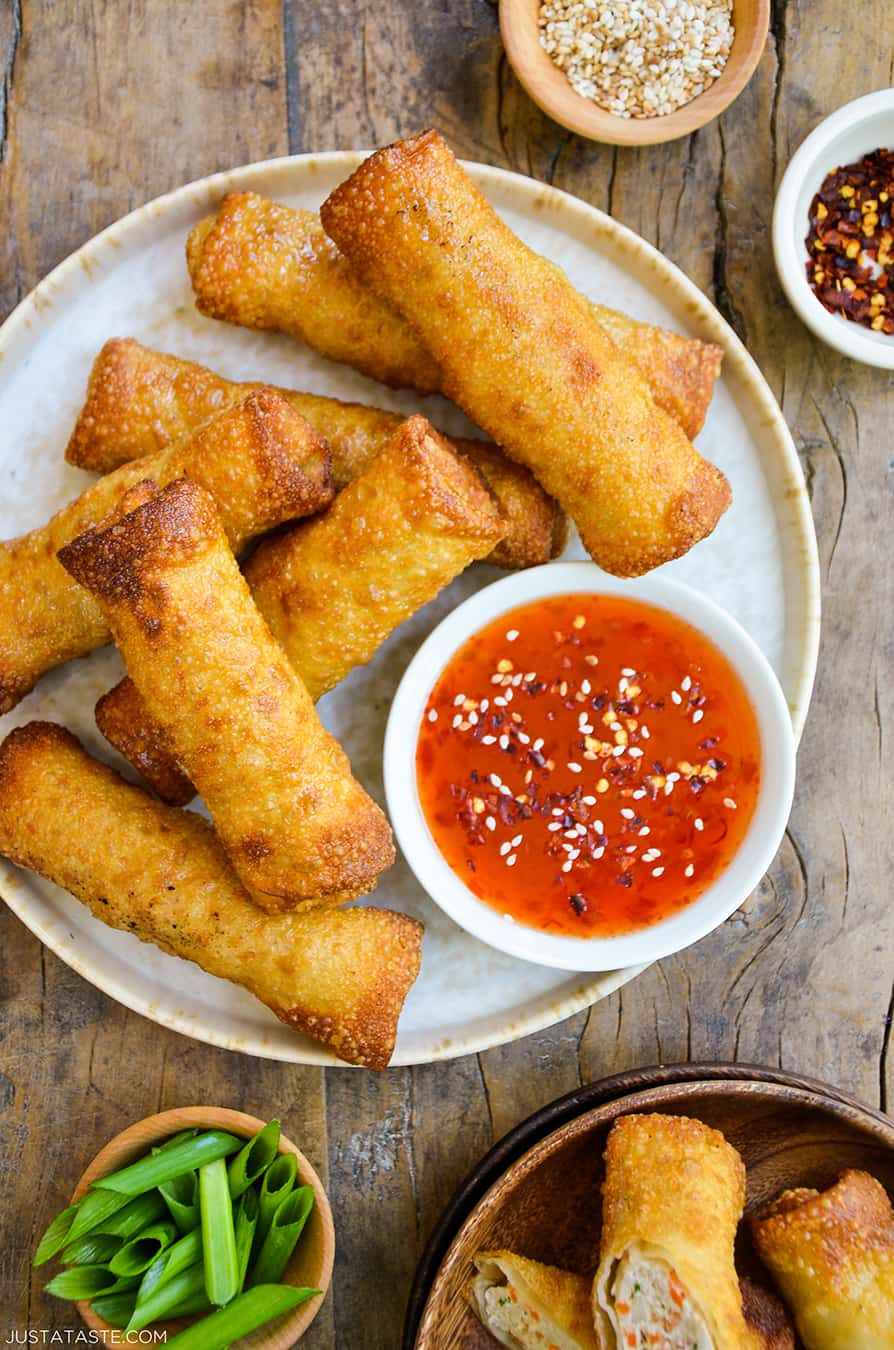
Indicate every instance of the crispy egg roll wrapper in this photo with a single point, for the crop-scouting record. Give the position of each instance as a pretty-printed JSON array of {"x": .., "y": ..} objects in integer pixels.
[
  {"x": 264, "y": 265},
  {"x": 522, "y": 354},
  {"x": 333, "y": 593},
  {"x": 832, "y": 1257},
  {"x": 296, "y": 825},
  {"x": 340, "y": 976},
  {"x": 524, "y": 1303},
  {"x": 262, "y": 463},
  {"x": 672, "y": 1198},
  {"x": 140, "y": 401}
]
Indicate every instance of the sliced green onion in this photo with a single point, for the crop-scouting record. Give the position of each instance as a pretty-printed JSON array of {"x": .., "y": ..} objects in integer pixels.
[
  {"x": 198, "y": 1303},
  {"x": 94, "y": 1209},
  {"x": 278, "y": 1182},
  {"x": 182, "y": 1199},
  {"x": 176, "y": 1139},
  {"x": 185, "y": 1156},
  {"x": 84, "y": 1282},
  {"x": 137, "y": 1255},
  {"x": 56, "y": 1236},
  {"x": 247, "y": 1312},
  {"x": 282, "y": 1236},
  {"x": 218, "y": 1234},
  {"x": 252, "y": 1161},
  {"x": 134, "y": 1216},
  {"x": 172, "y": 1261},
  {"x": 116, "y": 1309},
  {"x": 94, "y": 1249},
  {"x": 245, "y": 1222},
  {"x": 168, "y": 1296}
]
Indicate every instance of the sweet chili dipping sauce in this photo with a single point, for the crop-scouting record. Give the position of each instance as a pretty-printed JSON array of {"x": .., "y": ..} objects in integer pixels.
[{"x": 588, "y": 764}]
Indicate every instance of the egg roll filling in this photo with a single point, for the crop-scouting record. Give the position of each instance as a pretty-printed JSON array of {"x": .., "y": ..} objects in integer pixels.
[
  {"x": 652, "y": 1308},
  {"x": 504, "y": 1311}
]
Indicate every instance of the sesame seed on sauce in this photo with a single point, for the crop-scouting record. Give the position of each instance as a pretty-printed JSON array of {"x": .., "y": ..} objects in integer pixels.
[{"x": 585, "y": 732}]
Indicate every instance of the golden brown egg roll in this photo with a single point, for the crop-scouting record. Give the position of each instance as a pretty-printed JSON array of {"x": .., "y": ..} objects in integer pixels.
[
  {"x": 262, "y": 463},
  {"x": 340, "y": 976},
  {"x": 672, "y": 1198},
  {"x": 832, "y": 1257},
  {"x": 140, "y": 401},
  {"x": 524, "y": 1303},
  {"x": 522, "y": 354},
  {"x": 296, "y": 825},
  {"x": 331, "y": 595},
  {"x": 263, "y": 265}
]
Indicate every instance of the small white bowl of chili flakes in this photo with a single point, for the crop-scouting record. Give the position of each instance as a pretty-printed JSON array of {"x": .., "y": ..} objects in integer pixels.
[
  {"x": 588, "y": 772},
  {"x": 833, "y": 230}
]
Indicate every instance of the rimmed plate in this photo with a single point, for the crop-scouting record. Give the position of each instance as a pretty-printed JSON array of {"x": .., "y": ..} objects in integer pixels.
[
  {"x": 546, "y": 1204},
  {"x": 761, "y": 564}
]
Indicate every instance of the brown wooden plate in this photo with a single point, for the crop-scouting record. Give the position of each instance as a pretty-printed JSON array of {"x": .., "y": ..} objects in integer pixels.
[{"x": 546, "y": 1205}]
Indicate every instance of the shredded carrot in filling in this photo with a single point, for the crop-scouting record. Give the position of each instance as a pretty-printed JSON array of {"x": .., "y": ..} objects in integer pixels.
[
  {"x": 534, "y": 1314},
  {"x": 677, "y": 1292},
  {"x": 513, "y": 1295},
  {"x": 623, "y": 1308}
]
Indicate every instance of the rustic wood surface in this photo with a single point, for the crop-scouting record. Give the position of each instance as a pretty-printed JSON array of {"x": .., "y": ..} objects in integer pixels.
[{"x": 106, "y": 103}]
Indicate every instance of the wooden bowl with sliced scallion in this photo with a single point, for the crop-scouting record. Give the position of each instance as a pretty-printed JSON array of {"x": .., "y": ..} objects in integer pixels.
[{"x": 242, "y": 1233}]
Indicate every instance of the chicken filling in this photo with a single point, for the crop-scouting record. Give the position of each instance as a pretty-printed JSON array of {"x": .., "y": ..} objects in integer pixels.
[
  {"x": 507, "y": 1314},
  {"x": 652, "y": 1309}
]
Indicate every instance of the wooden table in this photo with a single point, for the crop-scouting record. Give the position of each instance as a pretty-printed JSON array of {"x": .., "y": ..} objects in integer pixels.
[{"x": 107, "y": 103}]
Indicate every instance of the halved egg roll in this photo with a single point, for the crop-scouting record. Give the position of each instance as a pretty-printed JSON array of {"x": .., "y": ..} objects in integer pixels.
[
  {"x": 522, "y": 353},
  {"x": 672, "y": 1198},
  {"x": 140, "y": 401},
  {"x": 262, "y": 463},
  {"x": 264, "y": 265},
  {"x": 340, "y": 976},
  {"x": 296, "y": 825},
  {"x": 831, "y": 1254},
  {"x": 524, "y": 1303}
]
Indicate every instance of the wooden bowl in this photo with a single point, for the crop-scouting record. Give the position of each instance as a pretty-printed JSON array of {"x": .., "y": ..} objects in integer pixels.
[
  {"x": 311, "y": 1263},
  {"x": 549, "y": 87},
  {"x": 547, "y": 1204}
]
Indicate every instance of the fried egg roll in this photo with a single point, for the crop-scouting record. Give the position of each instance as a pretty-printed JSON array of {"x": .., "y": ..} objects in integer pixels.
[
  {"x": 672, "y": 1198},
  {"x": 140, "y": 401},
  {"x": 263, "y": 265},
  {"x": 832, "y": 1257},
  {"x": 523, "y": 1303},
  {"x": 339, "y": 976},
  {"x": 521, "y": 352},
  {"x": 296, "y": 825},
  {"x": 262, "y": 463},
  {"x": 122, "y": 718}
]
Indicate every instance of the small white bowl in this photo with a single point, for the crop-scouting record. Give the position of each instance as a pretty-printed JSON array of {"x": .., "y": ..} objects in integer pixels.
[
  {"x": 670, "y": 935},
  {"x": 853, "y": 131}
]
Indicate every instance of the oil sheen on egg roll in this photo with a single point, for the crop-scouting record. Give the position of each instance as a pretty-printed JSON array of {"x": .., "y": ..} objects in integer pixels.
[
  {"x": 523, "y": 1303},
  {"x": 296, "y": 824},
  {"x": 672, "y": 1198},
  {"x": 140, "y": 401},
  {"x": 260, "y": 460},
  {"x": 263, "y": 265},
  {"x": 831, "y": 1254},
  {"x": 340, "y": 976},
  {"x": 523, "y": 356},
  {"x": 333, "y": 593}
]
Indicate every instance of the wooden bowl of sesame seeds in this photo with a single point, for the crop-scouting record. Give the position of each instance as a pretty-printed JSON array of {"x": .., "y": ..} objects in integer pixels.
[{"x": 636, "y": 91}]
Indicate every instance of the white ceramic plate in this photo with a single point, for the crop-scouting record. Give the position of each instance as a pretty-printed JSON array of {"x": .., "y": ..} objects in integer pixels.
[{"x": 131, "y": 280}]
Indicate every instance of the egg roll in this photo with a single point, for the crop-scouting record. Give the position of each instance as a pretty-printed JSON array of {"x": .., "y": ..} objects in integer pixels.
[
  {"x": 831, "y": 1254},
  {"x": 523, "y": 1303},
  {"x": 297, "y": 826},
  {"x": 672, "y": 1198},
  {"x": 264, "y": 265},
  {"x": 522, "y": 354},
  {"x": 262, "y": 463},
  {"x": 140, "y": 401},
  {"x": 340, "y": 976}
]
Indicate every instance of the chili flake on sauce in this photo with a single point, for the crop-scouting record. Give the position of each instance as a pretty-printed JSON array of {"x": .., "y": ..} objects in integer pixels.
[
  {"x": 850, "y": 239},
  {"x": 588, "y": 764}
]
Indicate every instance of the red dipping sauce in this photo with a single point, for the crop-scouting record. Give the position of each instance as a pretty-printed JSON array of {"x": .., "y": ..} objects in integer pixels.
[{"x": 588, "y": 764}]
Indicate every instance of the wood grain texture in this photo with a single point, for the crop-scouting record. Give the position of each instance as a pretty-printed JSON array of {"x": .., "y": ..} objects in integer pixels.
[{"x": 105, "y": 105}]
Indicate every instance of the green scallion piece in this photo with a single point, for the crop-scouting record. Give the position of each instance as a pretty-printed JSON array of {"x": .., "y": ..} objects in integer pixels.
[
  {"x": 282, "y": 1236},
  {"x": 182, "y": 1199},
  {"x": 94, "y": 1210},
  {"x": 183, "y": 1254},
  {"x": 82, "y": 1282},
  {"x": 137, "y": 1255},
  {"x": 56, "y": 1236},
  {"x": 247, "y": 1312},
  {"x": 116, "y": 1309},
  {"x": 278, "y": 1182},
  {"x": 176, "y": 1139},
  {"x": 252, "y": 1161},
  {"x": 133, "y": 1217},
  {"x": 165, "y": 1298},
  {"x": 185, "y": 1156},
  {"x": 245, "y": 1221},
  {"x": 96, "y": 1249},
  {"x": 218, "y": 1233}
]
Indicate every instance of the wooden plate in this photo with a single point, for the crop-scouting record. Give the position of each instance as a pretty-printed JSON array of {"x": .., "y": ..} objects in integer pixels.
[{"x": 546, "y": 1205}]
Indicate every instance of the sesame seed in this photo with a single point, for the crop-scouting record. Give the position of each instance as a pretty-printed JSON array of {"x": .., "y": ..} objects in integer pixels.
[
  {"x": 571, "y": 834},
  {"x": 657, "y": 871},
  {"x": 575, "y": 767},
  {"x": 591, "y": 801},
  {"x": 490, "y": 822},
  {"x": 699, "y": 823},
  {"x": 585, "y": 686},
  {"x": 496, "y": 779},
  {"x": 628, "y": 671},
  {"x": 591, "y": 660},
  {"x": 516, "y": 841},
  {"x": 688, "y": 870},
  {"x": 697, "y": 716},
  {"x": 598, "y": 852},
  {"x": 631, "y": 849},
  {"x": 511, "y": 860},
  {"x": 504, "y": 665},
  {"x": 432, "y": 715},
  {"x": 484, "y": 705},
  {"x": 508, "y": 918},
  {"x": 504, "y": 849},
  {"x": 728, "y": 801},
  {"x": 618, "y": 750},
  {"x": 499, "y": 703},
  {"x": 644, "y": 831},
  {"x": 644, "y": 732},
  {"x": 512, "y": 635},
  {"x": 507, "y": 792},
  {"x": 622, "y": 685},
  {"x": 602, "y": 785},
  {"x": 459, "y": 700},
  {"x": 524, "y": 738},
  {"x": 554, "y": 825},
  {"x": 508, "y": 696},
  {"x": 488, "y": 740},
  {"x": 473, "y": 719},
  {"x": 504, "y": 742},
  {"x": 531, "y": 675},
  {"x": 538, "y": 744},
  {"x": 639, "y": 794},
  {"x": 567, "y": 866},
  {"x": 635, "y": 752},
  {"x": 686, "y": 684},
  {"x": 675, "y": 697}
]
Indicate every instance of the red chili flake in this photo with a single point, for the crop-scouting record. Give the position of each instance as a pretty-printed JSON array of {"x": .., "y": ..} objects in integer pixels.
[
  {"x": 850, "y": 240},
  {"x": 578, "y": 903}
]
